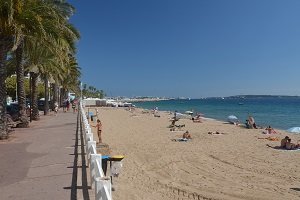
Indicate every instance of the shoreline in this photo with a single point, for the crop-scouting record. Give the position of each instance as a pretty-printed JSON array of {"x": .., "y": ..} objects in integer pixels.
[{"x": 236, "y": 164}]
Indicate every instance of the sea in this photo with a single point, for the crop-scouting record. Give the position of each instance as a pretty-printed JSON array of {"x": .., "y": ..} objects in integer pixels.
[{"x": 280, "y": 113}]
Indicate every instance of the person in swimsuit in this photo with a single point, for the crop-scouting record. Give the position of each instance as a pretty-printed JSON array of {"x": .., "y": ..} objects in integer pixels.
[
  {"x": 291, "y": 146},
  {"x": 186, "y": 135},
  {"x": 99, "y": 129}
]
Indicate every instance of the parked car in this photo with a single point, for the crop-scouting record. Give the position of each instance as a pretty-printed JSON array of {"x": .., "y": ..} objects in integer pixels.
[
  {"x": 13, "y": 111},
  {"x": 41, "y": 104}
]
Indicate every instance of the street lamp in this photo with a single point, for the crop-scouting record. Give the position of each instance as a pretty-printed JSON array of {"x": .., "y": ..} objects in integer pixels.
[
  {"x": 81, "y": 91},
  {"x": 31, "y": 95}
]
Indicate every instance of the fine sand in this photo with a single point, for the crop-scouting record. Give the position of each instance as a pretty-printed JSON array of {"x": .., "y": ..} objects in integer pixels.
[{"x": 234, "y": 165}]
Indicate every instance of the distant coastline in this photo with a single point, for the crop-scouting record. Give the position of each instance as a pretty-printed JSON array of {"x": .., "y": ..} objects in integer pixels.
[{"x": 145, "y": 99}]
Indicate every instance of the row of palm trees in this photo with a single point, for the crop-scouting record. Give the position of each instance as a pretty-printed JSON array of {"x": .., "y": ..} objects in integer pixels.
[
  {"x": 36, "y": 37},
  {"x": 91, "y": 91}
]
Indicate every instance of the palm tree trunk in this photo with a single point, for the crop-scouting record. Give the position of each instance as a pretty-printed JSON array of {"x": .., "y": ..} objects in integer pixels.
[
  {"x": 20, "y": 86},
  {"x": 62, "y": 96},
  {"x": 35, "y": 109},
  {"x": 46, "y": 105},
  {"x": 55, "y": 93},
  {"x": 4, "y": 48}
]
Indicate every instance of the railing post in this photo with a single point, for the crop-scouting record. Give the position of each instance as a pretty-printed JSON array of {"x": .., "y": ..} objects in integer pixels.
[
  {"x": 90, "y": 146},
  {"x": 103, "y": 189},
  {"x": 93, "y": 167},
  {"x": 102, "y": 184}
]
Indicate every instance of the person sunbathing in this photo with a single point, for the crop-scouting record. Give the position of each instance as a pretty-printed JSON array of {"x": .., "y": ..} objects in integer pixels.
[
  {"x": 216, "y": 133},
  {"x": 186, "y": 135},
  {"x": 196, "y": 119},
  {"x": 291, "y": 146},
  {"x": 270, "y": 130},
  {"x": 284, "y": 141}
]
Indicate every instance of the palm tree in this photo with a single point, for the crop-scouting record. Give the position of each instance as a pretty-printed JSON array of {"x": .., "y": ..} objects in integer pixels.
[
  {"x": 21, "y": 20},
  {"x": 7, "y": 32},
  {"x": 55, "y": 25},
  {"x": 18, "y": 18}
]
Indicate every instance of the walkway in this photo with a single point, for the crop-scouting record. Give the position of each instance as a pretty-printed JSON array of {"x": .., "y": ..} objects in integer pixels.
[{"x": 45, "y": 161}]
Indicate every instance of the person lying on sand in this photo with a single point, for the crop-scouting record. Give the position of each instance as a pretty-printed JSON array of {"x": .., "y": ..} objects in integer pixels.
[
  {"x": 196, "y": 120},
  {"x": 271, "y": 138},
  {"x": 217, "y": 133},
  {"x": 179, "y": 127}
]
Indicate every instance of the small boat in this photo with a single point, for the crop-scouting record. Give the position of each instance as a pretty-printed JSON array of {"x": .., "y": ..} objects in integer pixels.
[{"x": 240, "y": 103}]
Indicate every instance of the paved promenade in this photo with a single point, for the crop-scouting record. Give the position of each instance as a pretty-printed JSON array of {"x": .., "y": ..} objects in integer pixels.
[{"x": 45, "y": 161}]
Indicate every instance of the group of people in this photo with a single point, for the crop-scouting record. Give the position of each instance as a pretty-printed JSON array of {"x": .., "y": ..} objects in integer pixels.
[
  {"x": 66, "y": 106},
  {"x": 286, "y": 143},
  {"x": 67, "y": 103},
  {"x": 186, "y": 135}
]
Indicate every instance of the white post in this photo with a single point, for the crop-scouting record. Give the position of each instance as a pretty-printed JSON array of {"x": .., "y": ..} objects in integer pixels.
[
  {"x": 93, "y": 167},
  {"x": 90, "y": 146},
  {"x": 103, "y": 189}
]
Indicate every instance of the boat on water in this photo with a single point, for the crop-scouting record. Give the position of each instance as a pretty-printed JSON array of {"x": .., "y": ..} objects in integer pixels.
[{"x": 240, "y": 103}]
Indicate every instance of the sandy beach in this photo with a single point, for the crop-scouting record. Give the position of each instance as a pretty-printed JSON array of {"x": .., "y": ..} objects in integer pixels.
[{"x": 237, "y": 164}]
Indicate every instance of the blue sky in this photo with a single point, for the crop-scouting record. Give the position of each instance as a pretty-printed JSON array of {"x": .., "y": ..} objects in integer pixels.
[{"x": 189, "y": 48}]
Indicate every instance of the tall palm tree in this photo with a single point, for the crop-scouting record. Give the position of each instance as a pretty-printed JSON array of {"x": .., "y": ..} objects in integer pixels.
[
  {"x": 73, "y": 74},
  {"x": 21, "y": 20},
  {"x": 8, "y": 30},
  {"x": 54, "y": 27}
]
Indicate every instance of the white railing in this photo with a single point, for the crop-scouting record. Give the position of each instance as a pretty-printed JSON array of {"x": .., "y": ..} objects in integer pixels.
[{"x": 99, "y": 181}]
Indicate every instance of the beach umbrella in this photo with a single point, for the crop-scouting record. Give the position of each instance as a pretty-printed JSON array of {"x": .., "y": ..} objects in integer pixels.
[
  {"x": 232, "y": 119},
  {"x": 294, "y": 130},
  {"x": 189, "y": 112}
]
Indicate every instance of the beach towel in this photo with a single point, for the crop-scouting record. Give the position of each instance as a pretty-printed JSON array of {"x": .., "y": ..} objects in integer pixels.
[
  {"x": 271, "y": 138},
  {"x": 181, "y": 140},
  {"x": 176, "y": 131},
  {"x": 282, "y": 149}
]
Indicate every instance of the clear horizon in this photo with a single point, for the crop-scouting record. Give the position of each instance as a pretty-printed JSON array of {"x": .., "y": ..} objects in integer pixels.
[{"x": 191, "y": 48}]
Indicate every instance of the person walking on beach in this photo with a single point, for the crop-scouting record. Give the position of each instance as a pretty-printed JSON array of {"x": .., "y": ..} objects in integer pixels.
[{"x": 99, "y": 129}]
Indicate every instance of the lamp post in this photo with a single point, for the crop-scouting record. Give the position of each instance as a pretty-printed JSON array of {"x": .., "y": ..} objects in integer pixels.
[
  {"x": 31, "y": 95},
  {"x": 81, "y": 91}
]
